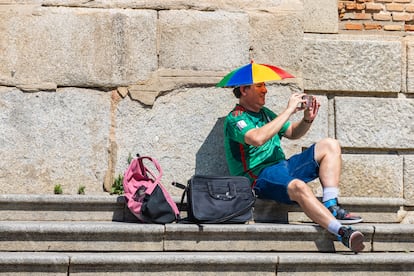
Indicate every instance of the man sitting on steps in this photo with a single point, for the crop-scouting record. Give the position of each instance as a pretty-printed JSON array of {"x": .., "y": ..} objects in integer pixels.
[{"x": 252, "y": 143}]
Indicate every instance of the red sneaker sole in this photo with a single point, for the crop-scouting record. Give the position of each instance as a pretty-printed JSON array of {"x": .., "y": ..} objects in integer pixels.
[{"x": 356, "y": 242}]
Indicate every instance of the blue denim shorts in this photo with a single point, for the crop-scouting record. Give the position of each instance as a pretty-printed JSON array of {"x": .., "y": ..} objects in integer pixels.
[{"x": 272, "y": 181}]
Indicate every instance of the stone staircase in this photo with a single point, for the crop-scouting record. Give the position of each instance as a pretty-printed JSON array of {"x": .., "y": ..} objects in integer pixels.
[{"x": 97, "y": 235}]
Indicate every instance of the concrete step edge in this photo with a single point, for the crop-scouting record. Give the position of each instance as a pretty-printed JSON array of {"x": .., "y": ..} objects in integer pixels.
[
  {"x": 117, "y": 236},
  {"x": 218, "y": 262},
  {"x": 41, "y": 258},
  {"x": 119, "y": 199},
  {"x": 112, "y": 207}
]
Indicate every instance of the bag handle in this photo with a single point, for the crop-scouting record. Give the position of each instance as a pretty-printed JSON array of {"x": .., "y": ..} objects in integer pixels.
[{"x": 144, "y": 171}]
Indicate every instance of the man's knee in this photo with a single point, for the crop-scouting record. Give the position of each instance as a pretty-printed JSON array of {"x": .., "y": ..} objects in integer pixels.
[
  {"x": 298, "y": 190},
  {"x": 329, "y": 145},
  {"x": 333, "y": 143}
]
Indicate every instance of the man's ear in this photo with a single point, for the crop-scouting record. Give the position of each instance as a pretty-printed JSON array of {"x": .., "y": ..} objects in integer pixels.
[{"x": 243, "y": 89}]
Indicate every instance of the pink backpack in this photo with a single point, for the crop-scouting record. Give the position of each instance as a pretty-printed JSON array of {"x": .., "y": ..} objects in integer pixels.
[{"x": 147, "y": 199}]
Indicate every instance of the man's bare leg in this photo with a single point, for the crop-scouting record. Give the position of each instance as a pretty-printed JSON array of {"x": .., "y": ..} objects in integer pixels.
[
  {"x": 328, "y": 156},
  {"x": 300, "y": 192}
]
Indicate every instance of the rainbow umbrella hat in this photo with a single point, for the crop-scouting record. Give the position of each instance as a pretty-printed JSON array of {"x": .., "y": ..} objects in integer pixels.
[{"x": 253, "y": 73}]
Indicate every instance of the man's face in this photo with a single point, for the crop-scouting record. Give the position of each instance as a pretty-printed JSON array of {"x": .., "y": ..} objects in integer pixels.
[{"x": 255, "y": 94}]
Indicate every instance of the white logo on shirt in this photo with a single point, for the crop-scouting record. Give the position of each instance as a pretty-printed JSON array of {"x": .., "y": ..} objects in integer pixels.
[{"x": 241, "y": 124}]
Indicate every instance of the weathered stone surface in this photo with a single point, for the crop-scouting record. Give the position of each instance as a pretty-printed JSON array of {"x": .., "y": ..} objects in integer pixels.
[
  {"x": 195, "y": 40},
  {"x": 320, "y": 16},
  {"x": 189, "y": 54},
  {"x": 77, "y": 47},
  {"x": 366, "y": 264},
  {"x": 408, "y": 217},
  {"x": 53, "y": 138},
  {"x": 166, "y": 80},
  {"x": 174, "y": 263},
  {"x": 352, "y": 63},
  {"x": 209, "y": 5},
  {"x": 409, "y": 42},
  {"x": 375, "y": 122},
  {"x": 38, "y": 264},
  {"x": 277, "y": 38},
  {"x": 36, "y": 87},
  {"x": 80, "y": 236},
  {"x": 372, "y": 176},
  {"x": 248, "y": 237},
  {"x": 386, "y": 240},
  {"x": 50, "y": 207},
  {"x": 409, "y": 179}
]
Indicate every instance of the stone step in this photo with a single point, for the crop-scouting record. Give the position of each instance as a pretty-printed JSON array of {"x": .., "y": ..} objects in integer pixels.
[
  {"x": 205, "y": 263},
  {"x": 112, "y": 208},
  {"x": 107, "y": 236},
  {"x": 62, "y": 207},
  {"x": 372, "y": 210}
]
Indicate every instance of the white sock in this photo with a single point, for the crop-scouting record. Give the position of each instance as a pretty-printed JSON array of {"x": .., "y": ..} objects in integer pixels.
[
  {"x": 330, "y": 193},
  {"x": 334, "y": 227}
]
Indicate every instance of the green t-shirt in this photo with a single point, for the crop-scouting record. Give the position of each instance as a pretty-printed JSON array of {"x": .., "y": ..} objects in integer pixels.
[{"x": 244, "y": 159}]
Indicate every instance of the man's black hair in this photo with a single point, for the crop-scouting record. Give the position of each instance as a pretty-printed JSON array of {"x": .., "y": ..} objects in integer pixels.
[{"x": 237, "y": 92}]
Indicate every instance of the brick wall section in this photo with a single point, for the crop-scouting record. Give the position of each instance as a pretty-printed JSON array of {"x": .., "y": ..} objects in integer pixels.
[{"x": 376, "y": 15}]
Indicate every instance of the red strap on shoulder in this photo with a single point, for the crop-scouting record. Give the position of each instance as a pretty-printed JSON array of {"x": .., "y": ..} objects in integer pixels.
[{"x": 238, "y": 110}]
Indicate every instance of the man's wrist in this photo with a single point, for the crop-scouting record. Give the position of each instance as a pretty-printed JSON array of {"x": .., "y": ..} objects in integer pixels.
[{"x": 307, "y": 121}]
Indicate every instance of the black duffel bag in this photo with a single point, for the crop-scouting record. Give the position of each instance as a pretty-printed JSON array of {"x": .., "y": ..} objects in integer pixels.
[{"x": 218, "y": 199}]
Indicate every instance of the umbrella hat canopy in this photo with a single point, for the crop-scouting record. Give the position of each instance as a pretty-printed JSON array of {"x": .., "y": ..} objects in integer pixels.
[{"x": 253, "y": 73}]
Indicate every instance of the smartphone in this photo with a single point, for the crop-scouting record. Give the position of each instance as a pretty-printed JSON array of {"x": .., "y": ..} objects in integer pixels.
[{"x": 308, "y": 102}]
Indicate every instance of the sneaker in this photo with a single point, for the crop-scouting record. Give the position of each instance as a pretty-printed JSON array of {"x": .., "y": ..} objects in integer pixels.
[
  {"x": 342, "y": 215},
  {"x": 351, "y": 238}
]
